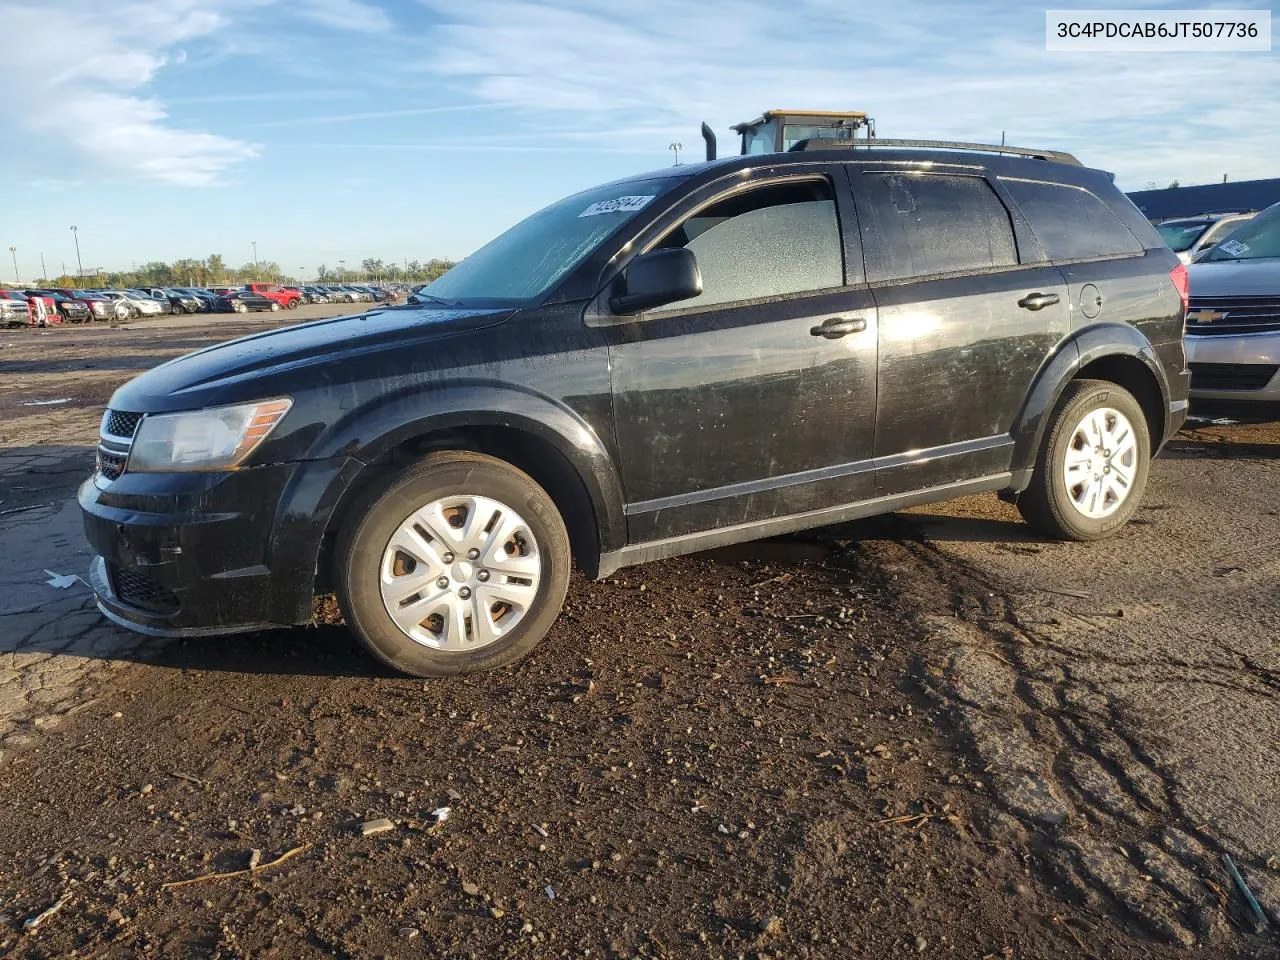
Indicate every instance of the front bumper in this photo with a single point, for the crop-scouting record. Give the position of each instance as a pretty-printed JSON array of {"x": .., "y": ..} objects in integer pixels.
[
  {"x": 1249, "y": 356},
  {"x": 184, "y": 552},
  {"x": 201, "y": 554}
]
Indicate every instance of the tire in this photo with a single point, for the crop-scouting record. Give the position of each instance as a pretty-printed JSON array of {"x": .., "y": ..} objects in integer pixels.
[
  {"x": 1104, "y": 431},
  {"x": 239, "y": 307},
  {"x": 293, "y": 304},
  {"x": 490, "y": 632},
  {"x": 275, "y": 306},
  {"x": 178, "y": 309}
]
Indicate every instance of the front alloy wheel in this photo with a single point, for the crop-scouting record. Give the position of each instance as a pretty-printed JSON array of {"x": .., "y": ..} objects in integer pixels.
[
  {"x": 1092, "y": 468},
  {"x": 460, "y": 564}
]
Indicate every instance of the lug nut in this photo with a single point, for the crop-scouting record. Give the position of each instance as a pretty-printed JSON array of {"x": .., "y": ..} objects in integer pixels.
[
  {"x": 442, "y": 582},
  {"x": 465, "y": 593},
  {"x": 472, "y": 553},
  {"x": 483, "y": 576},
  {"x": 447, "y": 558}
]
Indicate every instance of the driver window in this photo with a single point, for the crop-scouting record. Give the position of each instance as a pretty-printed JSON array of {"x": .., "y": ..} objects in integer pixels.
[{"x": 772, "y": 241}]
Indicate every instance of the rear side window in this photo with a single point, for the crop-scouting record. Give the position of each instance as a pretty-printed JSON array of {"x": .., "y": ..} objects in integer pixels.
[
  {"x": 934, "y": 223},
  {"x": 1072, "y": 223}
]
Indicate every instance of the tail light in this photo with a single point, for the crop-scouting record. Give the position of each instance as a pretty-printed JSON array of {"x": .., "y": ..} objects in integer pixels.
[{"x": 1182, "y": 283}]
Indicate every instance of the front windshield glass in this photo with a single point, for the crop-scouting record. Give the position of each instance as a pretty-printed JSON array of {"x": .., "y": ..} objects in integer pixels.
[
  {"x": 1256, "y": 239},
  {"x": 524, "y": 262},
  {"x": 1181, "y": 236}
]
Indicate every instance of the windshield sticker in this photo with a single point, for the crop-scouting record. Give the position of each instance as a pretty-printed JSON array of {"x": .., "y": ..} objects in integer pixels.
[
  {"x": 1233, "y": 247},
  {"x": 620, "y": 205}
]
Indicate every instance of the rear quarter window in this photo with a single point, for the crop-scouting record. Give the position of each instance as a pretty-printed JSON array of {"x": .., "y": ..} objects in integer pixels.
[
  {"x": 937, "y": 223},
  {"x": 1070, "y": 222}
]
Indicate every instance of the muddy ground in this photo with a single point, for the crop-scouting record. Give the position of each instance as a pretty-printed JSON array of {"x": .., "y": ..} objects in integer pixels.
[{"x": 924, "y": 735}]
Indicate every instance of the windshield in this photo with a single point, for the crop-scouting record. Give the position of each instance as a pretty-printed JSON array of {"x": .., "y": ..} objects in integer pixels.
[
  {"x": 1256, "y": 239},
  {"x": 525, "y": 261},
  {"x": 1182, "y": 235}
]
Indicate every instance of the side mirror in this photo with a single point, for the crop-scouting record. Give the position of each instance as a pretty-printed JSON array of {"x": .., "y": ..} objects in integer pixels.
[{"x": 656, "y": 279}]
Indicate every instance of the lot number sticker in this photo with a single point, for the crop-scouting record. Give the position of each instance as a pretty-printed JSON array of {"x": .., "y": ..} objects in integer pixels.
[
  {"x": 1233, "y": 247},
  {"x": 620, "y": 205}
]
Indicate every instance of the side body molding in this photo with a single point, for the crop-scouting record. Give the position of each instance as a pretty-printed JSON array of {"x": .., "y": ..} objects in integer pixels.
[
  {"x": 1073, "y": 355},
  {"x": 341, "y": 453}
]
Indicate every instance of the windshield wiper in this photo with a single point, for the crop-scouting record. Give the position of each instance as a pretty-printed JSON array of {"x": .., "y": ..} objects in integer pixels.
[{"x": 420, "y": 297}]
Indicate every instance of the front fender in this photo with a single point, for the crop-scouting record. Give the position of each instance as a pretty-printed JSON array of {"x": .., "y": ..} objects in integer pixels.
[
  {"x": 339, "y": 454},
  {"x": 1074, "y": 354}
]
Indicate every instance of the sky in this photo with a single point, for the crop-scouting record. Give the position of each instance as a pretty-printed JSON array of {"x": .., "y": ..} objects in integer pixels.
[{"x": 329, "y": 130}]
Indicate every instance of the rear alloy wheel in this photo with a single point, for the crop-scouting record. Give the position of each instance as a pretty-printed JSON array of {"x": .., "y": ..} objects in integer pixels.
[
  {"x": 293, "y": 304},
  {"x": 239, "y": 307},
  {"x": 275, "y": 307},
  {"x": 460, "y": 564},
  {"x": 1093, "y": 467},
  {"x": 178, "y": 308}
]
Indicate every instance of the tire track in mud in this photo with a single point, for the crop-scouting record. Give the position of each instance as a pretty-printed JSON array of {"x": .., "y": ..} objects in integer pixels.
[{"x": 1100, "y": 814}]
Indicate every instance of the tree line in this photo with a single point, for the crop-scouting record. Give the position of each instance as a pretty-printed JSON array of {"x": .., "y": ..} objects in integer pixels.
[{"x": 213, "y": 271}]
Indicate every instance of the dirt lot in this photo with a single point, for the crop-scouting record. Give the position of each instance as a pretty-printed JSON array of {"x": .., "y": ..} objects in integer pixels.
[{"x": 923, "y": 735}]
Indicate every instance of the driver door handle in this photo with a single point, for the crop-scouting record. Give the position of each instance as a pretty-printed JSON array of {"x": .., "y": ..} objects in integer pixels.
[
  {"x": 838, "y": 327},
  {"x": 1038, "y": 301}
]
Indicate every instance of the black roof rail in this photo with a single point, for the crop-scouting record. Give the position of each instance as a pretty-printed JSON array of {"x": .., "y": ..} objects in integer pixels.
[{"x": 818, "y": 143}]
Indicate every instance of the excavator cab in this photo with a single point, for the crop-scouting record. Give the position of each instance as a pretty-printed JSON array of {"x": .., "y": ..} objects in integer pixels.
[{"x": 775, "y": 131}]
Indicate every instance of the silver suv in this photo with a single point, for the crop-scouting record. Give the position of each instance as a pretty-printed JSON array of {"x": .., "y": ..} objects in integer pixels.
[
  {"x": 1192, "y": 237},
  {"x": 1233, "y": 320}
]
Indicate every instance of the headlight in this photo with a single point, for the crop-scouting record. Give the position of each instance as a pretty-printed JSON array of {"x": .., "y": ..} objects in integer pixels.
[{"x": 219, "y": 438}]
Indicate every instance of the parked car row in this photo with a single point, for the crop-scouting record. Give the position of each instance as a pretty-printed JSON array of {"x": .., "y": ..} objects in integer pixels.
[{"x": 38, "y": 307}]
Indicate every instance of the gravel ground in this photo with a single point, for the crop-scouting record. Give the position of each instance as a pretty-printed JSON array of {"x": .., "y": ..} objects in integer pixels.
[{"x": 922, "y": 735}]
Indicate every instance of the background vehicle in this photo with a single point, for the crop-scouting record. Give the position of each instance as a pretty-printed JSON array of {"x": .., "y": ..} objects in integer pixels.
[
  {"x": 691, "y": 358},
  {"x": 179, "y": 301},
  {"x": 42, "y": 307},
  {"x": 136, "y": 304},
  {"x": 73, "y": 310},
  {"x": 1233, "y": 324},
  {"x": 17, "y": 306},
  {"x": 13, "y": 312},
  {"x": 287, "y": 298},
  {"x": 1191, "y": 236},
  {"x": 244, "y": 301}
]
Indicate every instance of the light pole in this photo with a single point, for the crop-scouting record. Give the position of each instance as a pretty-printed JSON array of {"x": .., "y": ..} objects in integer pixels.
[
  {"x": 254, "y": 244},
  {"x": 44, "y": 272},
  {"x": 13, "y": 252},
  {"x": 75, "y": 232},
  {"x": 675, "y": 148},
  {"x": 342, "y": 270}
]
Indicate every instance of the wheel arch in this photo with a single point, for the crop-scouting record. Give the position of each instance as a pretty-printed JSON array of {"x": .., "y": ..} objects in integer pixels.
[
  {"x": 547, "y": 441},
  {"x": 1115, "y": 352}
]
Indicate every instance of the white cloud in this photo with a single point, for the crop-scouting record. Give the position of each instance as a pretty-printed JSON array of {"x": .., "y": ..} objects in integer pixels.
[
  {"x": 91, "y": 102},
  {"x": 345, "y": 15},
  {"x": 931, "y": 69}
]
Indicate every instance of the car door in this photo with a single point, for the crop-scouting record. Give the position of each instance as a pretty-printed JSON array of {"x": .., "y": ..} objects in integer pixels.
[
  {"x": 969, "y": 309},
  {"x": 757, "y": 398}
]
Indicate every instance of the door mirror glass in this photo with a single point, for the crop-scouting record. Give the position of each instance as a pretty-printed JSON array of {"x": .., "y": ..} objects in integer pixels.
[{"x": 656, "y": 279}]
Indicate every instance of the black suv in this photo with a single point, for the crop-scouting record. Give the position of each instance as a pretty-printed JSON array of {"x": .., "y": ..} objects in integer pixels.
[{"x": 707, "y": 354}]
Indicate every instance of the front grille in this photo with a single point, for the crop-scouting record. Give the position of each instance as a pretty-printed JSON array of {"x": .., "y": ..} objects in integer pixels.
[
  {"x": 141, "y": 591},
  {"x": 1219, "y": 316},
  {"x": 110, "y": 465},
  {"x": 1231, "y": 376},
  {"x": 118, "y": 423}
]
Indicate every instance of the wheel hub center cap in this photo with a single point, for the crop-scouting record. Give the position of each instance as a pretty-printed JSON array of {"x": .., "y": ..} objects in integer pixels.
[{"x": 461, "y": 571}]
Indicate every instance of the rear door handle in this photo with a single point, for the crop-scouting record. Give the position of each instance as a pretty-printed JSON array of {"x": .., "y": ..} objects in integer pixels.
[
  {"x": 1038, "y": 301},
  {"x": 838, "y": 327}
]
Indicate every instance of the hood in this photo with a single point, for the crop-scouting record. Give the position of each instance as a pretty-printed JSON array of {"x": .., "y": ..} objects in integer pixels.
[
  {"x": 1235, "y": 278},
  {"x": 197, "y": 379}
]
